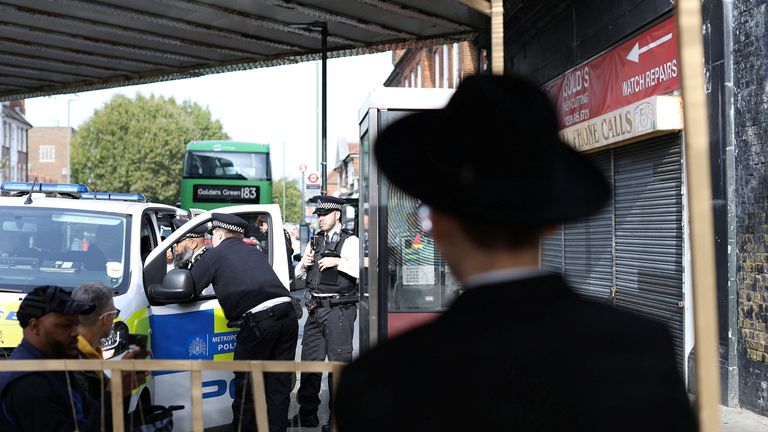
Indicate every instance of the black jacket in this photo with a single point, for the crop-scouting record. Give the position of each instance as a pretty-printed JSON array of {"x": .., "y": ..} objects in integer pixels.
[
  {"x": 242, "y": 278},
  {"x": 522, "y": 355},
  {"x": 43, "y": 401}
]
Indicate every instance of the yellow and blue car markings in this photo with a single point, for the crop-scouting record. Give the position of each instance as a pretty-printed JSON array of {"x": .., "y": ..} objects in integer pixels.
[
  {"x": 194, "y": 335},
  {"x": 10, "y": 330}
]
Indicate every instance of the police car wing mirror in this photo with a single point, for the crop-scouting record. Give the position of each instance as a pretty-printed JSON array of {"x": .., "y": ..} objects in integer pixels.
[{"x": 177, "y": 287}]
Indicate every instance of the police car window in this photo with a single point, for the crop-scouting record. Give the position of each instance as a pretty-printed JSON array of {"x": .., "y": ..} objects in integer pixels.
[
  {"x": 259, "y": 232},
  {"x": 40, "y": 246},
  {"x": 164, "y": 223},
  {"x": 147, "y": 239}
]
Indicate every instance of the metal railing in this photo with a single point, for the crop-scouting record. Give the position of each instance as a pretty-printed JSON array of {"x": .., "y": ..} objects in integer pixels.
[{"x": 196, "y": 367}]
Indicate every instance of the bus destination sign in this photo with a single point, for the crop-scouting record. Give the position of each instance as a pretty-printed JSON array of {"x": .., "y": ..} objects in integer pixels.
[{"x": 226, "y": 193}]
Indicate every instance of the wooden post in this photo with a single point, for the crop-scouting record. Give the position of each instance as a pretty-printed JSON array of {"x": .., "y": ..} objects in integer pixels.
[
  {"x": 497, "y": 37},
  {"x": 116, "y": 391},
  {"x": 196, "y": 388},
  {"x": 259, "y": 398},
  {"x": 699, "y": 182}
]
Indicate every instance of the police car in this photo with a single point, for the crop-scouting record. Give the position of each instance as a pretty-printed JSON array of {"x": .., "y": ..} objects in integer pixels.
[{"x": 62, "y": 234}]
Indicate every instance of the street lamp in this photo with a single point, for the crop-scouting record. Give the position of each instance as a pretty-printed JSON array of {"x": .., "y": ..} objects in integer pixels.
[{"x": 322, "y": 27}]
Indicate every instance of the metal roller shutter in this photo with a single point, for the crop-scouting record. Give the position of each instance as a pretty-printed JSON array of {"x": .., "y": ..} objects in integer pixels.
[
  {"x": 636, "y": 242},
  {"x": 649, "y": 232},
  {"x": 552, "y": 251},
  {"x": 588, "y": 247}
]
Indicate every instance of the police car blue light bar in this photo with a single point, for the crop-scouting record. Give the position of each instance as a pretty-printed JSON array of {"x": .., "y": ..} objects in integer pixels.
[
  {"x": 112, "y": 196},
  {"x": 62, "y": 188}
]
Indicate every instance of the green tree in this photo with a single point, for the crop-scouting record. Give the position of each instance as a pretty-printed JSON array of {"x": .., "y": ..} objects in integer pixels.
[
  {"x": 291, "y": 209},
  {"x": 137, "y": 145}
]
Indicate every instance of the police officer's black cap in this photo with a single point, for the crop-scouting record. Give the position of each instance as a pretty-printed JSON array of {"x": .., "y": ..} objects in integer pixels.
[
  {"x": 492, "y": 155},
  {"x": 50, "y": 298},
  {"x": 229, "y": 222},
  {"x": 326, "y": 204},
  {"x": 196, "y": 232}
]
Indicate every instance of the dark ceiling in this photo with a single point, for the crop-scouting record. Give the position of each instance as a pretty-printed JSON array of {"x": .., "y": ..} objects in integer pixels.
[{"x": 65, "y": 46}]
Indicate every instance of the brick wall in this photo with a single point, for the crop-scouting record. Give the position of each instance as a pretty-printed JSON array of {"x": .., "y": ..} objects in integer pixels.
[
  {"x": 750, "y": 59},
  {"x": 408, "y": 61},
  {"x": 60, "y": 138}
]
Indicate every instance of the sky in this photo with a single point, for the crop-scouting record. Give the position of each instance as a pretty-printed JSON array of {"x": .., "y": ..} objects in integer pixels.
[{"x": 278, "y": 105}]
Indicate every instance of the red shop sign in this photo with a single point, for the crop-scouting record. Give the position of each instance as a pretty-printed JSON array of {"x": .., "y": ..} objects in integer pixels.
[{"x": 644, "y": 66}]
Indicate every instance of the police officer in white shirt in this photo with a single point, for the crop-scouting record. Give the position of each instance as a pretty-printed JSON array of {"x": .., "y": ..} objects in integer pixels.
[{"x": 331, "y": 266}]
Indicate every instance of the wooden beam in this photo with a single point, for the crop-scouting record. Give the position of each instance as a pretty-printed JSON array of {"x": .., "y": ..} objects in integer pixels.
[{"x": 699, "y": 184}]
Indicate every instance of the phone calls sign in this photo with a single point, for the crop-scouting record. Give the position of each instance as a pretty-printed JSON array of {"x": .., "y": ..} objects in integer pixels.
[{"x": 644, "y": 66}]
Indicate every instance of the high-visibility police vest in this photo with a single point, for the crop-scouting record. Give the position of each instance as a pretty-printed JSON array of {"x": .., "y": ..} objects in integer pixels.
[{"x": 330, "y": 280}]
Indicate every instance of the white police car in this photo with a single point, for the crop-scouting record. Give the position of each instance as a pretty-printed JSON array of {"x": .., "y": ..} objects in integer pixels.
[{"x": 61, "y": 234}]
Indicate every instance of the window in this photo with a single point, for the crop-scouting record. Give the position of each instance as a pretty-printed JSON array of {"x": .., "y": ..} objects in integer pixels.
[
  {"x": 455, "y": 65},
  {"x": 418, "y": 75},
  {"x": 445, "y": 66},
  {"x": 437, "y": 67},
  {"x": 47, "y": 153}
]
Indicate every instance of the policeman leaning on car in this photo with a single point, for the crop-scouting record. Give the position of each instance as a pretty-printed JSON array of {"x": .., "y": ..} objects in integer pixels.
[
  {"x": 331, "y": 266},
  {"x": 251, "y": 294}
]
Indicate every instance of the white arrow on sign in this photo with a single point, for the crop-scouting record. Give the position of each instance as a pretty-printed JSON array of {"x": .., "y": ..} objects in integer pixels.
[{"x": 634, "y": 55}]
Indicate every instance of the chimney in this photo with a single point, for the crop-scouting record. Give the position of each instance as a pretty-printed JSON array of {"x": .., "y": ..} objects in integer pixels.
[{"x": 18, "y": 105}]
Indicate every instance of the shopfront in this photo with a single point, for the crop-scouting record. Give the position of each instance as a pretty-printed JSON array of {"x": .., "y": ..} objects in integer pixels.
[{"x": 621, "y": 108}]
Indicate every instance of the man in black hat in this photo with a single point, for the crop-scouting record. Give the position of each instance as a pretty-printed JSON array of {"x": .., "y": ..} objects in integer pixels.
[
  {"x": 331, "y": 266},
  {"x": 250, "y": 292},
  {"x": 47, "y": 401},
  {"x": 519, "y": 349},
  {"x": 190, "y": 248}
]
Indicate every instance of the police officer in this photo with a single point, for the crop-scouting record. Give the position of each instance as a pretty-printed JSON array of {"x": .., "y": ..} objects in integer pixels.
[
  {"x": 189, "y": 248},
  {"x": 331, "y": 266},
  {"x": 250, "y": 292}
]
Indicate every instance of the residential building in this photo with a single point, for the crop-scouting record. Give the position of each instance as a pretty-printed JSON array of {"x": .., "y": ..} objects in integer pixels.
[
  {"x": 13, "y": 141},
  {"x": 49, "y": 150},
  {"x": 441, "y": 66},
  {"x": 347, "y": 169}
]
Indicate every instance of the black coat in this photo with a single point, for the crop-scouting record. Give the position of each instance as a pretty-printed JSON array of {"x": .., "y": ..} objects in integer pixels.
[{"x": 522, "y": 355}]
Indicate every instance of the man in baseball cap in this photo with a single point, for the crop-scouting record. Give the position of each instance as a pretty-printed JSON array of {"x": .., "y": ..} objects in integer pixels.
[{"x": 49, "y": 317}]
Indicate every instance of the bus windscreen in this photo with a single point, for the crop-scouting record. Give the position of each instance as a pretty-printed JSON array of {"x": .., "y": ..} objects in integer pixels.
[{"x": 226, "y": 165}]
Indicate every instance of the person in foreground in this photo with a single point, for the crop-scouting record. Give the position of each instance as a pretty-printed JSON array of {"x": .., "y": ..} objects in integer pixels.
[
  {"x": 47, "y": 401},
  {"x": 92, "y": 329},
  {"x": 518, "y": 350}
]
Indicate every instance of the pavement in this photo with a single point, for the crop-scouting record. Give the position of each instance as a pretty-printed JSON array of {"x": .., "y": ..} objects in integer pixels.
[
  {"x": 731, "y": 419},
  {"x": 741, "y": 420}
]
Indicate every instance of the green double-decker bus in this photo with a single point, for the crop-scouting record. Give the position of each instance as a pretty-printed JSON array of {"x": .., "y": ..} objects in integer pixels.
[{"x": 223, "y": 173}]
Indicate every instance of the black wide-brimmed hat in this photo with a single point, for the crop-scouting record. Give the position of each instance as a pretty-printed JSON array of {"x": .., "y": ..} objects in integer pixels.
[
  {"x": 49, "y": 298},
  {"x": 493, "y": 154}
]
